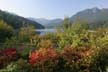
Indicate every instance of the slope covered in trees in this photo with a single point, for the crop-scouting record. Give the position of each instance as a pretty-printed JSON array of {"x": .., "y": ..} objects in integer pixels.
[
  {"x": 94, "y": 17},
  {"x": 17, "y": 21},
  {"x": 91, "y": 15}
]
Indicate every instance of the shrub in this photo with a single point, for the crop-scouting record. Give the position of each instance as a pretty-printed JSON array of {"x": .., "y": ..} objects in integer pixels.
[
  {"x": 76, "y": 60},
  {"x": 23, "y": 52},
  {"x": 70, "y": 59},
  {"x": 11, "y": 43},
  {"x": 6, "y": 31},
  {"x": 45, "y": 43},
  {"x": 11, "y": 52},
  {"x": 100, "y": 61},
  {"x": 7, "y": 55},
  {"x": 18, "y": 66},
  {"x": 45, "y": 60}
]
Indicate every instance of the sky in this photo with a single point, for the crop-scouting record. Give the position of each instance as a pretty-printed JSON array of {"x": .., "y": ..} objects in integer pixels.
[{"x": 49, "y": 9}]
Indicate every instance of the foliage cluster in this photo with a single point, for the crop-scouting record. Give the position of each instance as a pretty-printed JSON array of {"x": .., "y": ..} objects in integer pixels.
[{"x": 74, "y": 49}]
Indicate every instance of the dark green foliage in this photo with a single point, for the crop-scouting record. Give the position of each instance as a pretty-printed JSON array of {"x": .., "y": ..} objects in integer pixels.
[
  {"x": 6, "y": 31},
  {"x": 66, "y": 23},
  {"x": 25, "y": 33},
  {"x": 18, "y": 66},
  {"x": 17, "y": 21}
]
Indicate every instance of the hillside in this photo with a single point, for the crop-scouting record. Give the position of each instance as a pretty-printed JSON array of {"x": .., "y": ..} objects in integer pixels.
[
  {"x": 91, "y": 15},
  {"x": 95, "y": 17},
  {"x": 17, "y": 21}
]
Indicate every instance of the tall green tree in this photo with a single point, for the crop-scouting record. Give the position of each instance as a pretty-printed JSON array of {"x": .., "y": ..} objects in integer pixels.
[
  {"x": 6, "y": 31},
  {"x": 79, "y": 25},
  {"x": 66, "y": 23},
  {"x": 25, "y": 33}
]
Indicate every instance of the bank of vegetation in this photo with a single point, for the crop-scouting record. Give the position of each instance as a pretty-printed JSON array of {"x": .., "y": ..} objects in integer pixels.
[{"x": 77, "y": 48}]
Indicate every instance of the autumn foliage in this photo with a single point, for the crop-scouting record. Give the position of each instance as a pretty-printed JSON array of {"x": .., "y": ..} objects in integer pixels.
[
  {"x": 45, "y": 60},
  {"x": 7, "y": 55},
  {"x": 71, "y": 59}
]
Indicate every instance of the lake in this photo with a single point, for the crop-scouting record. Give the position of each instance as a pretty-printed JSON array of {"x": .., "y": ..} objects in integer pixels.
[{"x": 44, "y": 31}]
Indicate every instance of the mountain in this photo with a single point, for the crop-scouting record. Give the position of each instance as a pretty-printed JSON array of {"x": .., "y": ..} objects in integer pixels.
[
  {"x": 17, "y": 21},
  {"x": 54, "y": 23},
  {"x": 95, "y": 17},
  {"x": 91, "y": 15},
  {"x": 48, "y": 23},
  {"x": 40, "y": 20}
]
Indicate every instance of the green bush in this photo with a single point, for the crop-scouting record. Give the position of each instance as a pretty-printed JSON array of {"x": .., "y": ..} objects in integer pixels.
[
  {"x": 6, "y": 31},
  {"x": 19, "y": 66}
]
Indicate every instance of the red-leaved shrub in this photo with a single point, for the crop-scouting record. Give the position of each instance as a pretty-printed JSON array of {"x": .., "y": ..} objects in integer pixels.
[
  {"x": 76, "y": 60},
  {"x": 7, "y": 55},
  {"x": 8, "y": 52},
  {"x": 69, "y": 59},
  {"x": 44, "y": 59}
]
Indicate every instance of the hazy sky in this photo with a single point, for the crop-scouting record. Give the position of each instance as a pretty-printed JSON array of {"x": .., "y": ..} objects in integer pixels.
[{"x": 49, "y": 8}]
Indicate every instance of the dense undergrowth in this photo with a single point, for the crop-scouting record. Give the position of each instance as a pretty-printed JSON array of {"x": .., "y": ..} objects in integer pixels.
[{"x": 75, "y": 49}]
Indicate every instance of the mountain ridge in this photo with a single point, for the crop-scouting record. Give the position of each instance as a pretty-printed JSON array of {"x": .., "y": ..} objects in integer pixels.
[
  {"x": 17, "y": 21},
  {"x": 47, "y": 22},
  {"x": 90, "y": 15}
]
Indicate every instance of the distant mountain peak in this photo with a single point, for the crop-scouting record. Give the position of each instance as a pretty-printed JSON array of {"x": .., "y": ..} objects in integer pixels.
[
  {"x": 92, "y": 10},
  {"x": 48, "y": 23},
  {"x": 91, "y": 15},
  {"x": 95, "y": 9}
]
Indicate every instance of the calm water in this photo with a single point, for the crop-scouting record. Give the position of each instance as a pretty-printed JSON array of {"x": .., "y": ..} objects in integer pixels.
[{"x": 44, "y": 31}]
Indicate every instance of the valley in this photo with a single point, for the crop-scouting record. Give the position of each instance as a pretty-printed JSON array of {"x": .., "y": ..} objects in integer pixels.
[{"x": 53, "y": 36}]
